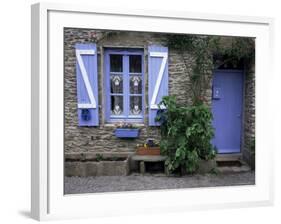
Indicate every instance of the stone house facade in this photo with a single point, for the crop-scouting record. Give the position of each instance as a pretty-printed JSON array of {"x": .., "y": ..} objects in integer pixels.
[{"x": 90, "y": 140}]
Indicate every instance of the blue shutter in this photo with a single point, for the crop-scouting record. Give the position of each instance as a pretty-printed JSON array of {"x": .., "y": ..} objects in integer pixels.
[
  {"x": 157, "y": 85},
  {"x": 87, "y": 84}
]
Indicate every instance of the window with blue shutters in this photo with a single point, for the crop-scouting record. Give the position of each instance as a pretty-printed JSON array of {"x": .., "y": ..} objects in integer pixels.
[{"x": 124, "y": 85}]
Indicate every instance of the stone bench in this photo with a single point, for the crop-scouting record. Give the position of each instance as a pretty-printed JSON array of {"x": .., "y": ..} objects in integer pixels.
[{"x": 142, "y": 159}]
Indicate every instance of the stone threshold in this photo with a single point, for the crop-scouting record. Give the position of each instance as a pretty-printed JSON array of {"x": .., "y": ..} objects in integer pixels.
[{"x": 233, "y": 160}]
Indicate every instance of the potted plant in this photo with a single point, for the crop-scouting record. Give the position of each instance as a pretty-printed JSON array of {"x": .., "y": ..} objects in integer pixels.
[
  {"x": 126, "y": 130},
  {"x": 151, "y": 147}
]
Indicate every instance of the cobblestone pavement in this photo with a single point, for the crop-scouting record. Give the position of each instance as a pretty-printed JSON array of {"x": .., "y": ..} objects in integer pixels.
[{"x": 137, "y": 182}]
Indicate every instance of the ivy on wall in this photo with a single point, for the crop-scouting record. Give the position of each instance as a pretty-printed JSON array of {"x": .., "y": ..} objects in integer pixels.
[
  {"x": 211, "y": 52},
  {"x": 186, "y": 131}
]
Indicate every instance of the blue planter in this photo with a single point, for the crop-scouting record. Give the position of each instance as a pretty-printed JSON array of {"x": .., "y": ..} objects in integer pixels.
[{"x": 127, "y": 132}]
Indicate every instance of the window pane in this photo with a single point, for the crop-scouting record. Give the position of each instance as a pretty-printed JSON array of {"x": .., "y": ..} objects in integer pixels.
[
  {"x": 135, "y": 105},
  {"x": 116, "y": 63},
  {"x": 116, "y": 83},
  {"x": 116, "y": 105},
  {"x": 135, "y": 64},
  {"x": 135, "y": 84}
]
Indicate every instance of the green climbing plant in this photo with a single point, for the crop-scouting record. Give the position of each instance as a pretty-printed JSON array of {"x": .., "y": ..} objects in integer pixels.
[
  {"x": 209, "y": 53},
  {"x": 186, "y": 131}
]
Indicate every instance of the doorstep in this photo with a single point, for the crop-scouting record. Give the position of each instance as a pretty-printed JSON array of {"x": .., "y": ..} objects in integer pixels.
[
  {"x": 229, "y": 169},
  {"x": 231, "y": 164},
  {"x": 226, "y": 157}
]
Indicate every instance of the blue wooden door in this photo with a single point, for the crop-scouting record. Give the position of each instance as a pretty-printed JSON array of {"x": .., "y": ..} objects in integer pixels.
[{"x": 227, "y": 101}]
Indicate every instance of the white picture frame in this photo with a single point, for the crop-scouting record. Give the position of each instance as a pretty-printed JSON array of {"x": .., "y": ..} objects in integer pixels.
[{"x": 48, "y": 200}]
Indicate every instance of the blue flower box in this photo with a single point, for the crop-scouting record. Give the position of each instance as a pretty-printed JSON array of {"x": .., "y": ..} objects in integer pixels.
[{"x": 127, "y": 132}]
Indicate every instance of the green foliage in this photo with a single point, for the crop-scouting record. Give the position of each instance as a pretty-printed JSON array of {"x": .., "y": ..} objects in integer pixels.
[
  {"x": 234, "y": 48},
  {"x": 204, "y": 49},
  {"x": 114, "y": 158},
  {"x": 200, "y": 47},
  {"x": 179, "y": 42},
  {"x": 214, "y": 171},
  {"x": 253, "y": 145},
  {"x": 186, "y": 132},
  {"x": 99, "y": 157}
]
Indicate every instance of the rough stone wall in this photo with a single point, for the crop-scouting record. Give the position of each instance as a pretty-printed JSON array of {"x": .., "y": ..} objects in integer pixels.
[
  {"x": 101, "y": 139},
  {"x": 249, "y": 115}
]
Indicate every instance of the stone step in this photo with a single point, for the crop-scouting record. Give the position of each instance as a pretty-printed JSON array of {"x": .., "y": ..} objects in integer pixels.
[
  {"x": 233, "y": 169},
  {"x": 232, "y": 166},
  {"x": 228, "y": 157}
]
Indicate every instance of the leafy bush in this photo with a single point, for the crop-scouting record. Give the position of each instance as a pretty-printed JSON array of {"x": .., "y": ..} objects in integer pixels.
[
  {"x": 99, "y": 157},
  {"x": 186, "y": 132}
]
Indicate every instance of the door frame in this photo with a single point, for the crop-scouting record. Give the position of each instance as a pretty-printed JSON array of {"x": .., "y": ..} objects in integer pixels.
[{"x": 243, "y": 71}]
